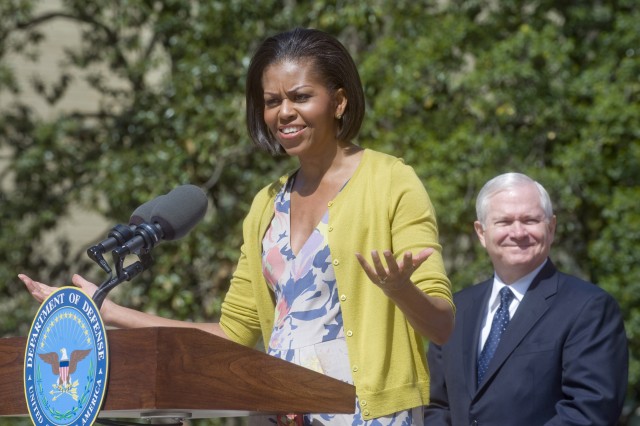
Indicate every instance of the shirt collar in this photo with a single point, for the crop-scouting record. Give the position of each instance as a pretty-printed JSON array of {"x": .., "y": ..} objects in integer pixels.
[{"x": 518, "y": 288}]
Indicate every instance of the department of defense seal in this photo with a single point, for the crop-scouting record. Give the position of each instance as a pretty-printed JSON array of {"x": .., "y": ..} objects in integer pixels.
[{"x": 66, "y": 360}]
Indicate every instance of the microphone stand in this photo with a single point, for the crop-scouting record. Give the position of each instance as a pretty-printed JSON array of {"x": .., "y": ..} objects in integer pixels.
[{"x": 122, "y": 273}]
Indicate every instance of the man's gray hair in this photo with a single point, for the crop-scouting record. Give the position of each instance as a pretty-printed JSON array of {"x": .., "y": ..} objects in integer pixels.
[{"x": 504, "y": 182}]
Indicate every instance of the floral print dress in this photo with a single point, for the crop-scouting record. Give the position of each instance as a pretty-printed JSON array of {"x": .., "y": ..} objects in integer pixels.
[{"x": 308, "y": 328}]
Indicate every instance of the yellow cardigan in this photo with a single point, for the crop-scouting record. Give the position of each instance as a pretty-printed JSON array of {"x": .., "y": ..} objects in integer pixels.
[{"x": 383, "y": 206}]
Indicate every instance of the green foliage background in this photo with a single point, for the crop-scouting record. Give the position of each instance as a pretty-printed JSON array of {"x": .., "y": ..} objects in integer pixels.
[{"x": 463, "y": 90}]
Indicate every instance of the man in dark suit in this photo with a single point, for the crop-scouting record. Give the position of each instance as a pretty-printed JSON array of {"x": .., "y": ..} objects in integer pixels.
[{"x": 550, "y": 349}]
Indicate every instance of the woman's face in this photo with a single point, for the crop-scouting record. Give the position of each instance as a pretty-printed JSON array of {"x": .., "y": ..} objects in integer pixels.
[{"x": 298, "y": 109}]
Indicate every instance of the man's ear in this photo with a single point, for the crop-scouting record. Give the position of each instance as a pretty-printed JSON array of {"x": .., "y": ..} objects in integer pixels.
[
  {"x": 479, "y": 232},
  {"x": 552, "y": 227}
]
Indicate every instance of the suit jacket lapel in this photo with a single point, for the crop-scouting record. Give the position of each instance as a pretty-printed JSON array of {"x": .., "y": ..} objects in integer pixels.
[
  {"x": 534, "y": 304},
  {"x": 471, "y": 325}
]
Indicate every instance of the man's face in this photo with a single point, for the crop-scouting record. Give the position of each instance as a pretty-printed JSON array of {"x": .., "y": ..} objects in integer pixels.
[{"x": 516, "y": 234}]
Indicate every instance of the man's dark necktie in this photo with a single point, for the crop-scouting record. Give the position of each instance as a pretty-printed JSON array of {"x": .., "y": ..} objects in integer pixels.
[{"x": 499, "y": 324}]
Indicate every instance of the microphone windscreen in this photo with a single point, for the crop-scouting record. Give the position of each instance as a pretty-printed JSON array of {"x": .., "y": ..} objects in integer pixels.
[
  {"x": 179, "y": 211},
  {"x": 143, "y": 213}
]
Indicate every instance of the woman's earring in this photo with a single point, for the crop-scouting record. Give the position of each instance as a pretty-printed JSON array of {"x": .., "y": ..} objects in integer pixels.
[{"x": 339, "y": 116}]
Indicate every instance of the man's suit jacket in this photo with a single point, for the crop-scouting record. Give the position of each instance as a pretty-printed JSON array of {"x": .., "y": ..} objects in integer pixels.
[{"x": 563, "y": 359}]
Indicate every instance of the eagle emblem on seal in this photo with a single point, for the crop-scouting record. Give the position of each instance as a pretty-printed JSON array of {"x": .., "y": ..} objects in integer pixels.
[{"x": 64, "y": 366}]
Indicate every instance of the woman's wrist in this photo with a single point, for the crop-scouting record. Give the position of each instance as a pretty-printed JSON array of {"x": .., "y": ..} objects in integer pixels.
[
  {"x": 106, "y": 310},
  {"x": 391, "y": 290}
]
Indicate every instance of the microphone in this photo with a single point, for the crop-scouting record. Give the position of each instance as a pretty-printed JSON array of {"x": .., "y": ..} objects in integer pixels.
[
  {"x": 168, "y": 217},
  {"x": 143, "y": 212},
  {"x": 120, "y": 234}
]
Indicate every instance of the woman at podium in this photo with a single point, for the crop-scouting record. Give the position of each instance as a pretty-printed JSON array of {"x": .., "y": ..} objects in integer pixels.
[{"x": 340, "y": 268}]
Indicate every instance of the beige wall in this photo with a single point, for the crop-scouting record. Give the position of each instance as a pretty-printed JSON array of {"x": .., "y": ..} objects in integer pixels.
[
  {"x": 59, "y": 34},
  {"x": 84, "y": 228}
]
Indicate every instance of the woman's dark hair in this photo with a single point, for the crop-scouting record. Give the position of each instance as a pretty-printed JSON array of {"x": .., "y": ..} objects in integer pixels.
[{"x": 331, "y": 61}]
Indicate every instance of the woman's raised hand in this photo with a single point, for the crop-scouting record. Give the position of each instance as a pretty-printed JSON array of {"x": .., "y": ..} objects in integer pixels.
[{"x": 396, "y": 274}]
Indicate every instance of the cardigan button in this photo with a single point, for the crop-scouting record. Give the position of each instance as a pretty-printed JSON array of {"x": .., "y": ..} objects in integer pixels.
[
  {"x": 343, "y": 297},
  {"x": 336, "y": 262}
]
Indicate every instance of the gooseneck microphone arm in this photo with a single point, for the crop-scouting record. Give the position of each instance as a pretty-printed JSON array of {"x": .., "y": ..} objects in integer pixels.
[
  {"x": 167, "y": 217},
  {"x": 139, "y": 243},
  {"x": 122, "y": 274}
]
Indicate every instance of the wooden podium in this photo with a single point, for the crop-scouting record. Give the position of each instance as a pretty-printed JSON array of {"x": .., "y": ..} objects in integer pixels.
[{"x": 188, "y": 373}]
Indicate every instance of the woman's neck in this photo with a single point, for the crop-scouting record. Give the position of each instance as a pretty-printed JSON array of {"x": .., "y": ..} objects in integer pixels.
[{"x": 334, "y": 165}]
